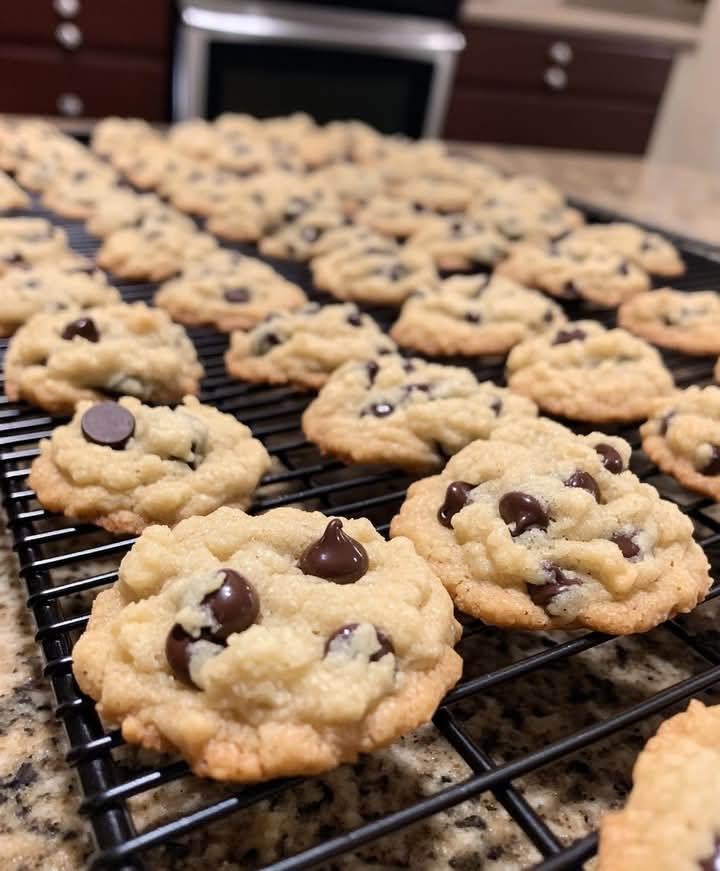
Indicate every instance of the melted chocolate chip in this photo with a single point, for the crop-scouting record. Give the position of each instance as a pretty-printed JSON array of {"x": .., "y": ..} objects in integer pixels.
[
  {"x": 664, "y": 422},
  {"x": 623, "y": 268},
  {"x": 549, "y": 316},
  {"x": 354, "y": 319},
  {"x": 565, "y": 336},
  {"x": 584, "y": 481},
  {"x": 628, "y": 547},
  {"x": 335, "y": 556},
  {"x": 237, "y": 294},
  {"x": 522, "y": 512},
  {"x": 558, "y": 582},
  {"x": 109, "y": 424},
  {"x": 372, "y": 369},
  {"x": 456, "y": 497},
  {"x": 571, "y": 290},
  {"x": 397, "y": 272},
  {"x": 341, "y": 640},
  {"x": 83, "y": 327},
  {"x": 382, "y": 409},
  {"x": 611, "y": 459},
  {"x": 496, "y": 406},
  {"x": 473, "y": 317},
  {"x": 266, "y": 342},
  {"x": 408, "y": 366},
  {"x": 234, "y": 605},
  {"x": 712, "y": 467},
  {"x": 711, "y": 863},
  {"x": 177, "y": 652}
]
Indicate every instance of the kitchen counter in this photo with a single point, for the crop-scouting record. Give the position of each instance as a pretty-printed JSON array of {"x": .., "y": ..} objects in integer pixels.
[{"x": 40, "y": 829}]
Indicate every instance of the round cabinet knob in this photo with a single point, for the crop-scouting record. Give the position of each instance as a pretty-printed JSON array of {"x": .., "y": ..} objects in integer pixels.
[
  {"x": 555, "y": 78},
  {"x": 70, "y": 105},
  {"x": 66, "y": 8},
  {"x": 560, "y": 53},
  {"x": 69, "y": 35}
]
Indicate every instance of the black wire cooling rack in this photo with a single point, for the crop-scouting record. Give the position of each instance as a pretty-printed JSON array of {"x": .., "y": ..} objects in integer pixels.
[{"x": 56, "y": 559}]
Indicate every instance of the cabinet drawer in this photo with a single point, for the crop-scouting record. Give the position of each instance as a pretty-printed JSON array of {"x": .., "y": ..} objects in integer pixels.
[
  {"x": 51, "y": 82},
  {"x": 138, "y": 26},
  {"x": 591, "y": 65},
  {"x": 561, "y": 121}
]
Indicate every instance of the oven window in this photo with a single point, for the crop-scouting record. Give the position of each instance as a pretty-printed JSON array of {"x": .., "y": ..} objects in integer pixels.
[{"x": 388, "y": 93}]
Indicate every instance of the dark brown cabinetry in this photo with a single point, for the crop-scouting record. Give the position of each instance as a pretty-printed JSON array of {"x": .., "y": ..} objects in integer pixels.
[{"x": 557, "y": 89}]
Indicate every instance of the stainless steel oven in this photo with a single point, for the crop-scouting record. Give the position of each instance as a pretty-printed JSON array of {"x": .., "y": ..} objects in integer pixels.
[{"x": 267, "y": 58}]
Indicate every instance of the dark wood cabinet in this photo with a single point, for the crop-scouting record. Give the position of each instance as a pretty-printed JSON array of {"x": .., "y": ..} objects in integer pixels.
[{"x": 558, "y": 89}]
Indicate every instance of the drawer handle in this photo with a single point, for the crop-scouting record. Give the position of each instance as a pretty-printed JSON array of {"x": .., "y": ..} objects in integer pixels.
[
  {"x": 555, "y": 78},
  {"x": 66, "y": 8},
  {"x": 69, "y": 35},
  {"x": 560, "y": 53},
  {"x": 70, "y": 105}
]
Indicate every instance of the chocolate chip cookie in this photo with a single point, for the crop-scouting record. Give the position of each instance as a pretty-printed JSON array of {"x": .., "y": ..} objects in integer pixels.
[
  {"x": 57, "y": 359},
  {"x": 650, "y": 251},
  {"x": 297, "y": 238},
  {"x": 259, "y": 647},
  {"x": 687, "y": 322},
  {"x": 25, "y": 241},
  {"x": 75, "y": 193},
  {"x": 122, "y": 207},
  {"x": 539, "y": 528},
  {"x": 586, "y": 372},
  {"x": 474, "y": 314},
  {"x": 459, "y": 243},
  {"x": 304, "y": 347},
  {"x": 124, "y": 465},
  {"x": 406, "y": 412},
  {"x": 672, "y": 819}
]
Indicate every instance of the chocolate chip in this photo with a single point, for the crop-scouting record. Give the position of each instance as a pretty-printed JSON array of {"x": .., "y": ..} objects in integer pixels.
[
  {"x": 372, "y": 369},
  {"x": 558, "y": 582},
  {"x": 335, "y": 556},
  {"x": 496, "y": 406},
  {"x": 354, "y": 319},
  {"x": 237, "y": 294},
  {"x": 711, "y": 863},
  {"x": 611, "y": 459},
  {"x": 712, "y": 467},
  {"x": 108, "y": 424},
  {"x": 422, "y": 388},
  {"x": 341, "y": 640},
  {"x": 234, "y": 605},
  {"x": 473, "y": 317},
  {"x": 177, "y": 652},
  {"x": 397, "y": 272},
  {"x": 565, "y": 336},
  {"x": 382, "y": 409},
  {"x": 83, "y": 327},
  {"x": 628, "y": 547},
  {"x": 571, "y": 290},
  {"x": 456, "y": 497},
  {"x": 408, "y": 366},
  {"x": 522, "y": 511},
  {"x": 265, "y": 342},
  {"x": 418, "y": 207},
  {"x": 623, "y": 268},
  {"x": 584, "y": 481},
  {"x": 664, "y": 422},
  {"x": 549, "y": 316}
]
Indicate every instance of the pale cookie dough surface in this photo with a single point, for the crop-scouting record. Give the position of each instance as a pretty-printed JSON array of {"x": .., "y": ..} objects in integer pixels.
[
  {"x": 279, "y": 692},
  {"x": 114, "y": 135},
  {"x": 306, "y": 346},
  {"x": 25, "y": 241},
  {"x": 75, "y": 194},
  {"x": 406, "y": 412},
  {"x": 598, "y": 274},
  {"x": 672, "y": 819},
  {"x": 682, "y": 436},
  {"x": 177, "y": 463},
  {"x": 122, "y": 207},
  {"x": 229, "y": 290},
  {"x": 459, "y": 243},
  {"x": 393, "y": 217},
  {"x": 45, "y": 287},
  {"x": 296, "y": 239},
  {"x": 537, "y": 528},
  {"x": 12, "y": 196},
  {"x": 474, "y": 314},
  {"x": 138, "y": 351},
  {"x": 687, "y": 322},
  {"x": 650, "y": 251},
  {"x": 586, "y": 372}
]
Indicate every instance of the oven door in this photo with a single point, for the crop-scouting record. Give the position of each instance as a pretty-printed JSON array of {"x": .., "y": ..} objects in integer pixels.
[{"x": 393, "y": 72}]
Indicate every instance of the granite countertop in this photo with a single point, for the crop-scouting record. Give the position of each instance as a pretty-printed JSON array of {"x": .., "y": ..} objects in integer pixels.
[{"x": 40, "y": 829}]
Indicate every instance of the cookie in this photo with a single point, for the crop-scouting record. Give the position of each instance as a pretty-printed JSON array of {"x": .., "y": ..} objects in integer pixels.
[
  {"x": 383, "y": 273},
  {"x": 198, "y": 191},
  {"x": 304, "y": 347},
  {"x": 196, "y": 137},
  {"x": 598, "y": 275},
  {"x": 539, "y": 528},
  {"x": 150, "y": 166},
  {"x": 353, "y": 185},
  {"x": 122, "y": 207},
  {"x": 435, "y": 193},
  {"x": 124, "y": 465},
  {"x": 76, "y": 193},
  {"x": 229, "y": 290},
  {"x": 296, "y": 238},
  {"x": 12, "y": 196},
  {"x": 25, "y": 241},
  {"x": 672, "y": 818},
  {"x": 116, "y": 136},
  {"x": 682, "y": 437},
  {"x": 586, "y": 372},
  {"x": 526, "y": 220},
  {"x": 394, "y": 217},
  {"x": 650, "y": 251},
  {"x": 50, "y": 288},
  {"x": 234, "y": 641},
  {"x": 687, "y": 322},
  {"x": 57, "y": 359},
  {"x": 406, "y": 412},
  {"x": 474, "y": 314},
  {"x": 460, "y": 244}
]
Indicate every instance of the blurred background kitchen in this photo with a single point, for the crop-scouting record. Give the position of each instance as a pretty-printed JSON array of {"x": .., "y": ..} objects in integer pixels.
[{"x": 628, "y": 76}]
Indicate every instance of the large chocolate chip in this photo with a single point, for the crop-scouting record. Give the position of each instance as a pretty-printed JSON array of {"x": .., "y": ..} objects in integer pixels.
[
  {"x": 496, "y": 406},
  {"x": 177, "y": 652},
  {"x": 584, "y": 481},
  {"x": 341, "y": 641},
  {"x": 354, "y": 319},
  {"x": 565, "y": 336},
  {"x": 83, "y": 327},
  {"x": 456, "y": 497},
  {"x": 372, "y": 369},
  {"x": 664, "y": 422},
  {"x": 237, "y": 294},
  {"x": 712, "y": 467},
  {"x": 557, "y": 582},
  {"x": 521, "y": 512},
  {"x": 571, "y": 290},
  {"x": 611, "y": 459},
  {"x": 712, "y": 863},
  {"x": 335, "y": 556},
  {"x": 234, "y": 605},
  {"x": 382, "y": 409},
  {"x": 109, "y": 424},
  {"x": 473, "y": 317},
  {"x": 628, "y": 546}
]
